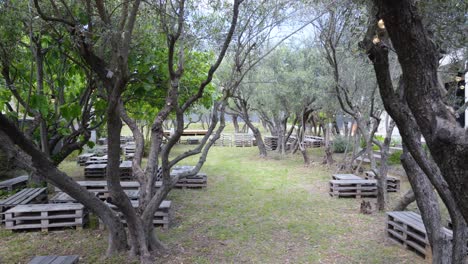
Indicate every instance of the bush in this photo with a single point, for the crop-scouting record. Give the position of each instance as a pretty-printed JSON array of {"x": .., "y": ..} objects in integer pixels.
[
  {"x": 339, "y": 144},
  {"x": 394, "y": 159}
]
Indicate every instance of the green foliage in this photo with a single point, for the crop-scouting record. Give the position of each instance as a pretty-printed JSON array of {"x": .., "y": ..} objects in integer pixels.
[
  {"x": 40, "y": 103},
  {"x": 394, "y": 158},
  {"x": 340, "y": 143},
  {"x": 70, "y": 111}
]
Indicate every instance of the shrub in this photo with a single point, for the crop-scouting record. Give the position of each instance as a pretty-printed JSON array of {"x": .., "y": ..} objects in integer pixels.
[
  {"x": 339, "y": 144},
  {"x": 394, "y": 158}
]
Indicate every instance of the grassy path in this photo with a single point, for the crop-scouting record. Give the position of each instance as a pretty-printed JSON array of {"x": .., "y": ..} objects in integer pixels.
[{"x": 253, "y": 211}]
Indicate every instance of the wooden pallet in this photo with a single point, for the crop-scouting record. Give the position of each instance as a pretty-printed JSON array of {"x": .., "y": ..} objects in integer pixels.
[
  {"x": 161, "y": 217},
  {"x": 15, "y": 183},
  {"x": 198, "y": 181},
  {"x": 73, "y": 259},
  {"x": 45, "y": 217},
  {"x": 224, "y": 140},
  {"x": 345, "y": 177},
  {"x": 25, "y": 196},
  {"x": 393, "y": 183},
  {"x": 62, "y": 197},
  {"x": 126, "y": 170},
  {"x": 313, "y": 141},
  {"x": 271, "y": 142},
  {"x": 95, "y": 171},
  {"x": 243, "y": 140},
  {"x": 407, "y": 229},
  {"x": 353, "y": 188},
  {"x": 83, "y": 158},
  {"x": 96, "y": 160}
]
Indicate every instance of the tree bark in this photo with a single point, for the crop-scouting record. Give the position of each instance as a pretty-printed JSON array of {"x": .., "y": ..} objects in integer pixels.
[{"x": 406, "y": 200}]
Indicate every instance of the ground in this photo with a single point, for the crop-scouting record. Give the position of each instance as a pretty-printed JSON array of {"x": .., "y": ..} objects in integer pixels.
[{"x": 254, "y": 210}]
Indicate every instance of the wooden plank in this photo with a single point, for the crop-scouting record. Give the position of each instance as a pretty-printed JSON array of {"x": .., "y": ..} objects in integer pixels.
[
  {"x": 346, "y": 177},
  {"x": 354, "y": 182},
  {"x": 45, "y": 207}
]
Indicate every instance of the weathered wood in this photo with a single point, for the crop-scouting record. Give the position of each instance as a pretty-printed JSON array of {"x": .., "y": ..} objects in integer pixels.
[
  {"x": 83, "y": 158},
  {"x": 25, "y": 196},
  {"x": 393, "y": 183},
  {"x": 14, "y": 183},
  {"x": 407, "y": 229},
  {"x": 345, "y": 177},
  {"x": 162, "y": 216},
  {"x": 353, "y": 188},
  {"x": 72, "y": 259},
  {"x": 45, "y": 216}
]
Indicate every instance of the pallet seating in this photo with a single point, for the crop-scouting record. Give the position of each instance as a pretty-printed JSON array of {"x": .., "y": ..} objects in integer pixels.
[
  {"x": 25, "y": 196},
  {"x": 129, "y": 150},
  {"x": 14, "y": 183},
  {"x": 271, "y": 142},
  {"x": 96, "y": 160},
  {"x": 83, "y": 158},
  {"x": 313, "y": 141},
  {"x": 161, "y": 217},
  {"x": 200, "y": 180},
  {"x": 126, "y": 170},
  {"x": 353, "y": 188},
  {"x": 407, "y": 229},
  {"x": 73, "y": 259},
  {"x": 393, "y": 183},
  {"x": 243, "y": 140},
  {"x": 45, "y": 217},
  {"x": 224, "y": 140},
  {"x": 95, "y": 171},
  {"x": 197, "y": 181}
]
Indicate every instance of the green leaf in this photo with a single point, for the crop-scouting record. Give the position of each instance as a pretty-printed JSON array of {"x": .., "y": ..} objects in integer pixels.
[
  {"x": 90, "y": 144},
  {"x": 40, "y": 103}
]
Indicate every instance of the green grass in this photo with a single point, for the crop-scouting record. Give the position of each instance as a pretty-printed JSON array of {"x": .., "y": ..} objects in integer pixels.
[{"x": 254, "y": 210}]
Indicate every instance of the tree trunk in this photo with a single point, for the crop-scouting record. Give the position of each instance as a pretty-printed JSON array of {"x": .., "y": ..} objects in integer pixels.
[
  {"x": 406, "y": 200},
  {"x": 328, "y": 159},
  {"x": 383, "y": 168},
  {"x": 39, "y": 58},
  {"x": 235, "y": 123}
]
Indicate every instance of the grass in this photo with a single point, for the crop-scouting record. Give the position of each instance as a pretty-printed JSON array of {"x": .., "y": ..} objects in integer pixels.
[{"x": 254, "y": 210}]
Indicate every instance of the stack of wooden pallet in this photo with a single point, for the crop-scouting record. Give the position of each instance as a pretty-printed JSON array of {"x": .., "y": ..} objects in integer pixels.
[
  {"x": 96, "y": 160},
  {"x": 95, "y": 171},
  {"x": 313, "y": 141},
  {"x": 161, "y": 217},
  {"x": 46, "y": 217},
  {"x": 224, "y": 140},
  {"x": 393, "y": 183},
  {"x": 15, "y": 183},
  {"x": 129, "y": 150},
  {"x": 197, "y": 181},
  {"x": 83, "y": 158},
  {"x": 126, "y": 171},
  {"x": 271, "y": 142},
  {"x": 243, "y": 140},
  {"x": 357, "y": 188},
  {"x": 408, "y": 230},
  {"x": 25, "y": 196}
]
